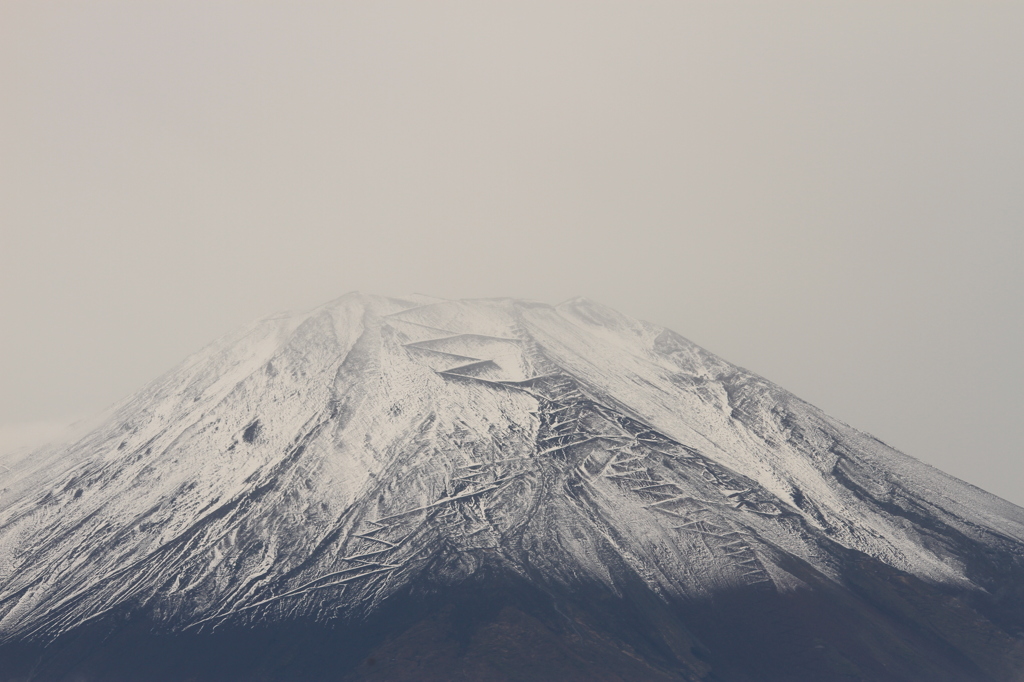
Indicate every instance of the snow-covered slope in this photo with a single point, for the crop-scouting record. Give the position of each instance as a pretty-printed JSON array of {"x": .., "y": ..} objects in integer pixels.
[{"x": 316, "y": 465}]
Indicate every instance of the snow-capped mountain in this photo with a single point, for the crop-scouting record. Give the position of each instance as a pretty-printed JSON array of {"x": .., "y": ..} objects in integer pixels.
[{"x": 494, "y": 489}]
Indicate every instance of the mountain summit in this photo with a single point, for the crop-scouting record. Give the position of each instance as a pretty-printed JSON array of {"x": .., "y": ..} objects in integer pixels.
[{"x": 393, "y": 489}]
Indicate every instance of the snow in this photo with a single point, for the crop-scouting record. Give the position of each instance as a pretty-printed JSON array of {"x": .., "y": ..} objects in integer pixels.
[{"x": 313, "y": 462}]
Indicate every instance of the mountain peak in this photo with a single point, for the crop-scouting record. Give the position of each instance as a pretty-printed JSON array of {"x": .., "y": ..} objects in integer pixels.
[{"x": 380, "y": 456}]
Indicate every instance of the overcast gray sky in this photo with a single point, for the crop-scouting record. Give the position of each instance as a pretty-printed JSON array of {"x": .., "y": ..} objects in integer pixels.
[{"x": 829, "y": 194}]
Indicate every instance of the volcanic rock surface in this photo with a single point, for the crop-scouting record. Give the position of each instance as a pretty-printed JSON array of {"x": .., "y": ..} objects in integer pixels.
[{"x": 392, "y": 489}]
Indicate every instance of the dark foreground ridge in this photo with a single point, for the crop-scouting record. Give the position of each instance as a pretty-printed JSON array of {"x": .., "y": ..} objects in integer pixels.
[{"x": 888, "y": 627}]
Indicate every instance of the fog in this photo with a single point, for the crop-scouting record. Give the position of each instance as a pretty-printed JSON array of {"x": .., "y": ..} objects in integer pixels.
[{"x": 828, "y": 194}]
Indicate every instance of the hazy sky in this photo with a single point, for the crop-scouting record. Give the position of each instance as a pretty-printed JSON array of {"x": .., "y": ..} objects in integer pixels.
[{"x": 829, "y": 194}]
